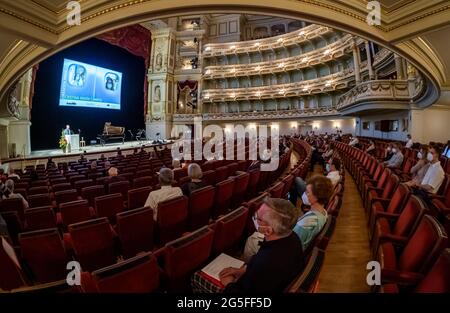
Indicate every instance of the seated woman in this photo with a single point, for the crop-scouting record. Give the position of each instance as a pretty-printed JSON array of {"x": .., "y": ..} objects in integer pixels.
[
  {"x": 371, "y": 148},
  {"x": 195, "y": 173},
  {"x": 8, "y": 193},
  {"x": 419, "y": 170}
]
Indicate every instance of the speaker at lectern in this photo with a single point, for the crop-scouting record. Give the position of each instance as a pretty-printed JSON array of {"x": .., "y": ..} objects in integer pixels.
[{"x": 73, "y": 141}]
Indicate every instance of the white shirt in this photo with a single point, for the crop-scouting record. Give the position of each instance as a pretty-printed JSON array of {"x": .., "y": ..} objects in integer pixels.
[
  {"x": 409, "y": 144},
  {"x": 434, "y": 176},
  {"x": 160, "y": 195},
  {"x": 334, "y": 177},
  {"x": 354, "y": 142}
]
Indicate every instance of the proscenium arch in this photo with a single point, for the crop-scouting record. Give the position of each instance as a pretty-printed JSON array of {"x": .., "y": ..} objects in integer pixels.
[{"x": 26, "y": 55}]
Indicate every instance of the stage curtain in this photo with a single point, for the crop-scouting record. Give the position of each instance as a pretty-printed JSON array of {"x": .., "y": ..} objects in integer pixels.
[
  {"x": 33, "y": 78},
  {"x": 192, "y": 84},
  {"x": 136, "y": 39}
]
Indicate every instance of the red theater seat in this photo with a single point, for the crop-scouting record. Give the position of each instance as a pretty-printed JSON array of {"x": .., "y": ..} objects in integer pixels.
[
  {"x": 66, "y": 196},
  {"x": 12, "y": 204},
  {"x": 74, "y": 212},
  {"x": 228, "y": 230},
  {"x": 121, "y": 187},
  {"x": 276, "y": 191},
  {"x": 108, "y": 206},
  {"x": 200, "y": 207},
  {"x": 139, "y": 274},
  {"x": 209, "y": 177},
  {"x": 171, "y": 219},
  {"x": 224, "y": 193},
  {"x": 137, "y": 197},
  {"x": 182, "y": 257},
  {"x": 308, "y": 280},
  {"x": 38, "y": 190},
  {"x": 142, "y": 181},
  {"x": 40, "y": 218},
  {"x": 252, "y": 184},
  {"x": 240, "y": 189},
  {"x": 61, "y": 187},
  {"x": 39, "y": 200},
  {"x": 44, "y": 253},
  {"x": 135, "y": 229},
  {"x": 11, "y": 273},
  {"x": 91, "y": 192},
  {"x": 80, "y": 184},
  {"x": 383, "y": 193},
  {"x": 93, "y": 243}
]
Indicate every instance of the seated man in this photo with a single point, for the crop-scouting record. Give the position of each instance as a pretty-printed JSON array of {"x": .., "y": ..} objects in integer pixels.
[
  {"x": 435, "y": 174},
  {"x": 8, "y": 193},
  {"x": 195, "y": 173},
  {"x": 396, "y": 160},
  {"x": 166, "y": 192},
  {"x": 279, "y": 259},
  {"x": 409, "y": 141},
  {"x": 333, "y": 167},
  {"x": 353, "y": 141},
  {"x": 113, "y": 173}
]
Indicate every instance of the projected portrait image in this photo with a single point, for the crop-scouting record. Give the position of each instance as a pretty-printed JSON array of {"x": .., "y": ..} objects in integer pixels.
[
  {"x": 111, "y": 81},
  {"x": 76, "y": 75}
]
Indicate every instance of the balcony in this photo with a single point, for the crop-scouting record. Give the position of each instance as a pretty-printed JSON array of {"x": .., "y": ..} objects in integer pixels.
[
  {"x": 292, "y": 38},
  {"x": 381, "y": 94},
  {"x": 322, "y": 55},
  {"x": 260, "y": 115}
]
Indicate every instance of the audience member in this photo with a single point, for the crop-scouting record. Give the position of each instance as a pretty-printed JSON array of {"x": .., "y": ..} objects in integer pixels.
[
  {"x": 371, "y": 148},
  {"x": 195, "y": 173},
  {"x": 333, "y": 168},
  {"x": 435, "y": 174},
  {"x": 396, "y": 160},
  {"x": 12, "y": 174},
  {"x": 419, "y": 170},
  {"x": 176, "y": 163},
  {"x": 409, "y": 142},
  {"x": 388, "y": 152},
  {"x": 353, "y": 141},
  {"x": 8, "y": 193},
  {"x": 113, "y": 174}
]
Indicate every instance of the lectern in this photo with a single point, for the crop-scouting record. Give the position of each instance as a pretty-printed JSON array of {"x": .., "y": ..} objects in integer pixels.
[{"x": 73, "y": 141}]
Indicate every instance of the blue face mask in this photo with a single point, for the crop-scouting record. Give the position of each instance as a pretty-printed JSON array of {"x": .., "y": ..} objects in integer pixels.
[{"x": 328, "y": 167}]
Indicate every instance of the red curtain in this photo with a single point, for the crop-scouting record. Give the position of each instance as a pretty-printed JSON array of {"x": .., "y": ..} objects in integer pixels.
[
  {"x": 136, "y": 39},
  {"x": 192, "y": 84}
]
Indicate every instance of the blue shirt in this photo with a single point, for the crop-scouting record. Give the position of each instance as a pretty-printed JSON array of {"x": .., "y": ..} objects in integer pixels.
[{"x": 308, "y": 226}]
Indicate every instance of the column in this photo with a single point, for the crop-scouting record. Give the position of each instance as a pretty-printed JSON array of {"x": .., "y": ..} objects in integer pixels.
[
  {"x": 356, "y": 64},
  {"x": 369, "y": 61},
  {"x": 399, "y": 67}
]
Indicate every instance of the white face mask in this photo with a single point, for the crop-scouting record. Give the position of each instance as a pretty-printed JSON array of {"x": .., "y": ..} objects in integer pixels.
[
  {"x": 328, "y": 167},
  {"x": 305, "y": 199},
  {"x": 430, "y": 157},
  {"x": 419, "y": 155},
  {"x": 394, "y": 150},
  {"x": 255, "y": 222}
]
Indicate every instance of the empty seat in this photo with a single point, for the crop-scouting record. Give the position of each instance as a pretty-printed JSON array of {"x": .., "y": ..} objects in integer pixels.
[
  {"x": 11, "y": 273},
  {"x": 383, "y": 193},
  {"x": 135, "y": 229},
  {"x": 179, "y": 172},
  {"x": 240, "y": 189},
  {"x": 74, "y": 212},
  {"x": 171, "y": 219},
  {"x": 61, "y": 187},
  {"x": 416, "y": 256},
  {"x": 139, "y": 274},
  {"x": 200, "y": 207},
  {"x": 222, "y": 201},
  {"x": 232, "y": 168},
  {"x": 91, "y": 192},
  {"x": 39, "y": 183},
  {"x": 185, "y": 255},
  {"x": 14, "y": 224},
  {"x": 44, "y": 253},
  {"x": 137, "y": 197},
  {"x": 209, "y": 177},
  {"x": 66, "y": 196},
  {"x": 80, "y": 184},
  {"x": 142, "y": 181},
  {"x": 276, "y": 191},
  {"x": 228, "y": 230},
  {"x": 39, "y": 200},
  {"x": 40, "y": 218},
  {"x": 37, "y": 190},
  {"x": 221, "y": 174},
  {"x": 143, "y": 173},
  {"x": 93, "y": 243},
  {"x": 252, "y": 184},
  {"x": 12, "y": 204},
  {"x": 108, "y": 206},
  {"x": 119, "y": 187}
]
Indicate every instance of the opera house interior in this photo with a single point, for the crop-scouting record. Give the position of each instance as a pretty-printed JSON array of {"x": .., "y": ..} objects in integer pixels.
[{"x": 222, "y": 146}]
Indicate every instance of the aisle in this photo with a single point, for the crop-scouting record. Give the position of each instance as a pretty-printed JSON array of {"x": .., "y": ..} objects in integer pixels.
[{"x": 348, "y": 252}]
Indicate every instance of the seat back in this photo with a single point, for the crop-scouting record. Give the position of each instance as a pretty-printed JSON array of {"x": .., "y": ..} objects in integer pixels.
[
  {"x": 37, "y": 190},
  {"x": 308, "y": 279},
  {"x": 232, "y": 168},
  {"x": 384, "y": 178},
  {"x": 425, "y": 245},
  {"x": 287, "y": 181},
  {"x": 135, "y": 229},
  {"x": 437, "y": 280},
  {"x": 391, "y": 184},
  {"x": 93, "y": 243},
  {"x": 119, "y": 187},
  {"x": 40, "y": 218},
  {"x": 326, "y": 233},
  {"x": 172, "y": 218},
  {"x": 12, "y": 204},
  {"x": 179, "y": 172},
  {"x": 409, "y": 217},
  {"x": 209, "y": 177},
  {"x": 228, "y": 230},
  {"x": 66, "y": 196},
  {"x": 240, "y": 188},
  {"x": 139, "y": 274},
  {"x": 137, "y": 197},
  {"x": 224, "y": 193},
  {"x": 221, "y": 174},
  {"x": 253, "y": 183},
  {"x": 276, "y": 191},
  {"x": 39, "y": 200},
  {"x": 108, "y": 206},
  {"x": 200, "y": 206},
  {"x": 142, "y": 181},
  {"x": 44, "y": 253},
  {"x": 80, "y": 184},
  {"x": 399, "y": 198},
  {"x": 74, "y": 212},
  {"x": 91, "y": 192},
  {"x": 11, "y": 274},
  {"x": 185, "y": 255},
  {"x": 61, "y": 187}
]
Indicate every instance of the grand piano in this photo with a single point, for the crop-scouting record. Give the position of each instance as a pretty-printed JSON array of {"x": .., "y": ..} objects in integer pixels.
[{"x": 111, "y": 133}]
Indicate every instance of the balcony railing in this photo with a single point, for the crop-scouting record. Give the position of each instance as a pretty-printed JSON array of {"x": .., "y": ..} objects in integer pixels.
[
  {"x": 260, "y": 115},
  {"x": 292, "y": 38},
  {"x": 373, "y": 91},
  {"x": 322, "y": 55}
]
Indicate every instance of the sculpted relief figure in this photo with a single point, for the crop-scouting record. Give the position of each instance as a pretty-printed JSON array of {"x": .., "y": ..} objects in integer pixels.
[
  {"x": 158, "y": 62},
  {"x": 157, "y": 94}
]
